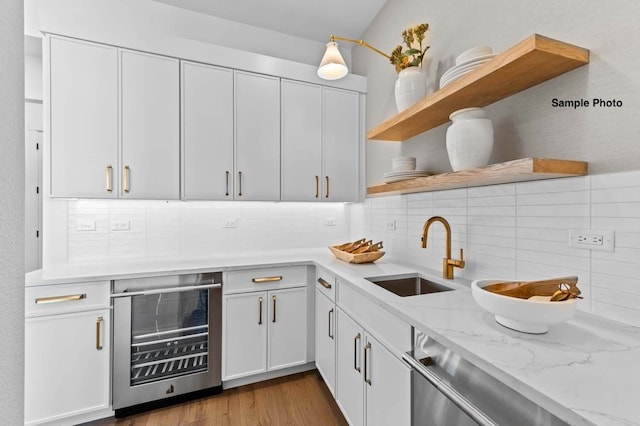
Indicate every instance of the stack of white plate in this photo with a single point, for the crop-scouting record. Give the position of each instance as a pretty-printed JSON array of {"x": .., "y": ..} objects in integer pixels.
[
  {"x": 400, "y": 164},
  {"x": 466, "y": 62},
  {"x": 403, "y": 175}
]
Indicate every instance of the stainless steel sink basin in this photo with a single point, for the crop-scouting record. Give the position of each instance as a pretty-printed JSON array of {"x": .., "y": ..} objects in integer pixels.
[{"x": 408, "y": 285}]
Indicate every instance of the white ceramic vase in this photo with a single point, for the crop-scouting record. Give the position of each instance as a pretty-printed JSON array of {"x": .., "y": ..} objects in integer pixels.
[
  {"x": 469, "y": 139},
  {"x": 411, "y": 86}
]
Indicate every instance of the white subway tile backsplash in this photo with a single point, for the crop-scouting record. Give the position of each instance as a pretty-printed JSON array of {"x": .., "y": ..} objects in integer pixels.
[
  {"x": 511, "y": 231},
  {"x": 521, "y": 231}
]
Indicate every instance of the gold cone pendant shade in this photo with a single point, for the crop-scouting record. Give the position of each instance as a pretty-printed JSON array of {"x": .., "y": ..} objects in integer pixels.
[{"x": 332, "y": 66}]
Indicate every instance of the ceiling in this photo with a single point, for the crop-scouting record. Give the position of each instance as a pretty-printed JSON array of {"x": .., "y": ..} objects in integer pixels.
[{"x": 313, "y": 20}]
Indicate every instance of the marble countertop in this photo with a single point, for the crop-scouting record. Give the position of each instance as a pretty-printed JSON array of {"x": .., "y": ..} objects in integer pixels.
[{"x": 585, "y": 371}]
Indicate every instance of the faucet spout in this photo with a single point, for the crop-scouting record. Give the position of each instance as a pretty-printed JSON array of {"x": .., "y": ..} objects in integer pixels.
[{"x": 447, "y": 263}]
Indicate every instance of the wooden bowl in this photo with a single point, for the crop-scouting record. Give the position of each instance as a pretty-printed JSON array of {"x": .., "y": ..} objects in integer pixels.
[{"x": 368, "y": 257}]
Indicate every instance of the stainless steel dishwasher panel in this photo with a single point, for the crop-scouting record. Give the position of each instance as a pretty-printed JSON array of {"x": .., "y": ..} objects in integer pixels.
[{"x": 449, "y": 390}]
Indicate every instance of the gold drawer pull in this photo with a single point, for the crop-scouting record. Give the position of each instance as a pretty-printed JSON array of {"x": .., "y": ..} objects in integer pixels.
[
  {"x": 56, "y": 299},
  {"x": 266, "y": 279},
  {"x": 323, "y": 283}
]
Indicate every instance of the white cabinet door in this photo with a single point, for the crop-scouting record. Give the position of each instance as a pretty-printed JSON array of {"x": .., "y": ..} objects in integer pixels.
[
  {"x": 66, "y": 365},
  {"x": 349, "y": 373},
  {"x": 287, "y": 319},
  {"x": 84, "y": 119},
  {"x": 244, "y": 335},
  {"x": 207, "y": 132},
  {"x": 341, "y": 145},
  {"x": 301, "y": 141},
  {"x": 150, "y": 122},
  {"x": 325, "y": 340},
  {"x": 257, "y": 142},
  {"x": 388, "y": 395}
]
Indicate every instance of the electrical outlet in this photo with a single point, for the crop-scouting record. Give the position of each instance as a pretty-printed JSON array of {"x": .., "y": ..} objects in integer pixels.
[
  {"x": 86, "y": 225},
  {"x": 120, "y": 225},
  {"x": 329, "y": 221},
  {"x": 230, "y": 223},
  {"x": 391, "y": 225},
  {"x": 592, "y": 239}
]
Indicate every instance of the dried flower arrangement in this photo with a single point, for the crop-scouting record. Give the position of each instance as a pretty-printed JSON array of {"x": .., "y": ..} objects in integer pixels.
[{"x": 412, "y": 56}]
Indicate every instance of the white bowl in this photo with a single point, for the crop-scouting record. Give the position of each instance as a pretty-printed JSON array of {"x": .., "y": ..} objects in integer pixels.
[
  {"x": 474, "y": 52},
  {"x": 526, "y": 315},
  {"x": 403, "y": 160}
]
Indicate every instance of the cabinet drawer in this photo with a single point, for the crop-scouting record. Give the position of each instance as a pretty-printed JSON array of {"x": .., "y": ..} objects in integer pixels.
[
  {"x": 264, "y": 279},
  {"x": 66, "y": 298},
  {"x": 326, "y": 283},
  {"x": 390, "y": 330}
]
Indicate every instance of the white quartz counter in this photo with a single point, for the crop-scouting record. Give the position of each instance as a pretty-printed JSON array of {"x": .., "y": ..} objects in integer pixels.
[{"x": 586, "y": 371}]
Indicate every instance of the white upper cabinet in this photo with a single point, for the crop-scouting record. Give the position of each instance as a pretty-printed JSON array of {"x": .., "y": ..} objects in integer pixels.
[
  {"x": 320, "y": 143},
  {"x": 257, "y": 127},
  {"x": 207, "y": 132},
  {"x": 301, "y": 141},
  {"x": 341, "y": 145},
  {"x": 84, "y": 119},
  {"x": 150, "y": 121}
]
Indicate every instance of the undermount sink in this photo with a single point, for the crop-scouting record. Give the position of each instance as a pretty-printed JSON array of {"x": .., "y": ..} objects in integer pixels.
[{"x": 408, "y": 285}]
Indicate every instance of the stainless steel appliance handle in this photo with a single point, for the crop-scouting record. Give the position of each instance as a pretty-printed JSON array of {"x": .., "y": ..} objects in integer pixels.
[
  {"x": 166, "y": 290},
  {"x": 445, "y": 389}
]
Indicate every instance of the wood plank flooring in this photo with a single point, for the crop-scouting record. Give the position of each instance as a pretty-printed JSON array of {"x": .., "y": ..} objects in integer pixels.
[{"x": 300, "y": 399}]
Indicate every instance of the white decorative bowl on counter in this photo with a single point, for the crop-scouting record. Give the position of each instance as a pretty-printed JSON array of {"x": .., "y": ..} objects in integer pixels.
[{"x": 526, "y": 315}]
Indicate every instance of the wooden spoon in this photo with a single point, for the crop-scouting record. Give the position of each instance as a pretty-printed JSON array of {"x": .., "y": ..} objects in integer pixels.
[{"x": 524, "y": 289}]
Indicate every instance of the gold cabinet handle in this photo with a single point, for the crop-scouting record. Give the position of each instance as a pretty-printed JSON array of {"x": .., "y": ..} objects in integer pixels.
[
  {"x": 109, "y": 181},
  {"x": 266, "y": 279},
  {"x": 99, "y": 322},
  {"x": 317, "y": 186},
  {"x": 355, "y": 352},
  {"x": 324, "y": 284},
  {"x": 330, "y": 315},
  {"x": 274, "y": 308},
  {"x": 366, "y": 370},
  {"x": 57, "y": 299},
  {"x": 125, "y": 184},
  {"x": 226, "y": 194},
  {"x": 327, "y": 179},
  {"x": 260, "y": 310},
  {"x": 239, "y": 184}
]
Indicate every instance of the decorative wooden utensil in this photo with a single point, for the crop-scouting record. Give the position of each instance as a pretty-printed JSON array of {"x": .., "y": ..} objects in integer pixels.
[{"x": 557, "y": 288}]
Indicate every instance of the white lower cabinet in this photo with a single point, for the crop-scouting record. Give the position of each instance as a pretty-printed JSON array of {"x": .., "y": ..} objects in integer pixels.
[
  {"x": 264, "y": 331},
  {"x": 66, "y": 365},
  {"x": 373, "y": 386},
  {"x": 325, "y": 339}
]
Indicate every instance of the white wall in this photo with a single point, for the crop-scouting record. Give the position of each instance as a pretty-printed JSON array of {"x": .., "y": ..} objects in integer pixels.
[
  {"x": 12, "y": 212},
  {"x": 526, "y": 124},
  {"x": 33, "y": 77}
]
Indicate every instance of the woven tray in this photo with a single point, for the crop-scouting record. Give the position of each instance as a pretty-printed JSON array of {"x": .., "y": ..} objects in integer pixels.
[{"x": 356, "y": 258}]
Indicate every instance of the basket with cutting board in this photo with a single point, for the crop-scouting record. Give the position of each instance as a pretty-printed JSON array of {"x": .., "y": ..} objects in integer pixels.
[{"x": 360, "y": 251}]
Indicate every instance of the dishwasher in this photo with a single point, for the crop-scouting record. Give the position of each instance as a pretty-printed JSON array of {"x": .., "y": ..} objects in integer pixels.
[
  {"x": 450, "y": 391},
  {"x": 166, "y": 340}
]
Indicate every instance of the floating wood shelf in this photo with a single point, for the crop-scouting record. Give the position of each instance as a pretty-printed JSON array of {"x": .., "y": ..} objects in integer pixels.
[
  {"x": 532, "y": 61},
  {"x": 522, "y": 170}
]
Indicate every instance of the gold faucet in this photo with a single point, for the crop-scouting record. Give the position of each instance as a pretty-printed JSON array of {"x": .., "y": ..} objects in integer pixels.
[{"x": 447, "y": 263}]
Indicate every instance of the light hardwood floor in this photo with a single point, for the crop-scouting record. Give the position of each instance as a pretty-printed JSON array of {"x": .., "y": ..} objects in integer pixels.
[{"x": 300, "y": 399}]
